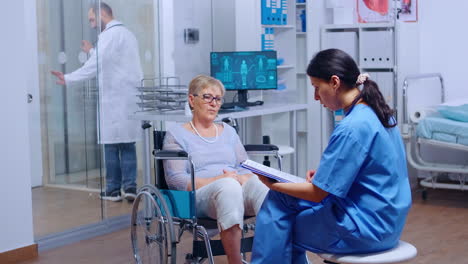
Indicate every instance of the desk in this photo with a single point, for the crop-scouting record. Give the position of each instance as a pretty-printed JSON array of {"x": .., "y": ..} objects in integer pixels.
[{"x": 178, "y": 116}]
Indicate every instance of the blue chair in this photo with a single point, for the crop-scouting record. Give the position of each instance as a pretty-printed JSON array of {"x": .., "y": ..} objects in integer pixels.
[{"x": 160, "y": 216}]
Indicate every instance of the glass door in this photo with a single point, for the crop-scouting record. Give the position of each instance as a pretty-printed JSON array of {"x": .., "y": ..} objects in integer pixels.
[
  {"x": 70, "y": 112},
  {"x": 71, "y": 154},
  {"x": 73, "y": 160}
]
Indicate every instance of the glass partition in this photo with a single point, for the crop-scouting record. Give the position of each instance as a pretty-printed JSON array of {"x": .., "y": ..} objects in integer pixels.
[
  {"x": 71, "y": 155},
  {"x": 72, "y": 114},
  {"x": 132, "y": 56}
]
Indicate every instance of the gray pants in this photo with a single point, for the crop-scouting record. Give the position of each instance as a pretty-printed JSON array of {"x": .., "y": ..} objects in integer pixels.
[{"x": 228, "y": 201}]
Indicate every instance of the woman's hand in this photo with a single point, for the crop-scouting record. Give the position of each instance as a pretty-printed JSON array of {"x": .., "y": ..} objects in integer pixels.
[
  {"x": 241, "y": 178},
  {"x": 267, "y": 181},
  {"x": 200, "y": 182},
  {"x": 230, "y": 174},
  {"x": 244, "y": 178},
  {"x": 310, "y": 175}
]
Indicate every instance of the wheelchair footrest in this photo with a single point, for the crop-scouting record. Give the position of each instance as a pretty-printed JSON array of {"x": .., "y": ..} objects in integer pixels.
[{"x": 217, "y": 248}]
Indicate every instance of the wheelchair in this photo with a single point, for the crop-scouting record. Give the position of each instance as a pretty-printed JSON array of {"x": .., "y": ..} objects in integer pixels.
[{"x": 161, "y": 216}]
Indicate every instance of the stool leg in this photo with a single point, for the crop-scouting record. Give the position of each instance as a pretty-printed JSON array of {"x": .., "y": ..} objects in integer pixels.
[{"x": 280, "y": 162}]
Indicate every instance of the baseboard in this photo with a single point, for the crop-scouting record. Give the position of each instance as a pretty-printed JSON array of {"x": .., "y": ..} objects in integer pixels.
[
  {"x": 19, "y": 254},
  {"x": 82, "y": 233}
]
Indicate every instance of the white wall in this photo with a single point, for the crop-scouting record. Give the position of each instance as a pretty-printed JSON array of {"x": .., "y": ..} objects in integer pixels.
[
  {"x": 248, "y": 25},
  {"x": 192, "y": 59},
  {"x": 167, "y": 41},
  {"x": 16, "y": 221},
  {"x": 224, "y": 28},
  {"x": 444, "y": 43}
]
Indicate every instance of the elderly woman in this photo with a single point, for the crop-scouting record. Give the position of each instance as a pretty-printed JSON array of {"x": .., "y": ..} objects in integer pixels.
[{"x": 224, "y": 191}]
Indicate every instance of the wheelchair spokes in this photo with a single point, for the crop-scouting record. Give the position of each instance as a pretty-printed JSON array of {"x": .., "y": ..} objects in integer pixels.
[{"x": 148, "y": 231}]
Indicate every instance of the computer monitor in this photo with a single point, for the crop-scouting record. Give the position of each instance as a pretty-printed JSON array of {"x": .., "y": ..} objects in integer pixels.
[{"x": 244, "y": 70}]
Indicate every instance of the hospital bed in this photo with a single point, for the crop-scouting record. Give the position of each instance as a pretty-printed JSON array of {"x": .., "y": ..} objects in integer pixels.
[{"x": 431, "y": 128}]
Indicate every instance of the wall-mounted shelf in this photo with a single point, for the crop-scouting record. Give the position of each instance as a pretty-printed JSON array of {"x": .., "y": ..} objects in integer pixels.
[
  {"x": 278, "y": 26},
  {"x": 376, "y": 68},
  {"x": 358, "y": 26},
  {"x": 285, "y": 67},
  {"x": 284, "y": 38}
]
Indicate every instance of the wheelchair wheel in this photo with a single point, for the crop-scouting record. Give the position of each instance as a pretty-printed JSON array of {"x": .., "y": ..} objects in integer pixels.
[{"x": 148, "y": 231}]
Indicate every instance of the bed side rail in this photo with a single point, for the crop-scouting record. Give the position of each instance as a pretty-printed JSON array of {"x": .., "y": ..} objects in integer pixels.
[{"x": 406, "y": 82}]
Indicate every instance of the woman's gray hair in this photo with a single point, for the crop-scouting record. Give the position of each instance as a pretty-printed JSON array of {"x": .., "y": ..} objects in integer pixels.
[{"x": 201, "y": 82}]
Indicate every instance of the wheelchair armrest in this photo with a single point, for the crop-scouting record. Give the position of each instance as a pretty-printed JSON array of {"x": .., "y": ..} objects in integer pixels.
[
  {"x": 260, "y": 147},
  {"x": 169, "y": 154},
  {"x": 159, "y": 156}
]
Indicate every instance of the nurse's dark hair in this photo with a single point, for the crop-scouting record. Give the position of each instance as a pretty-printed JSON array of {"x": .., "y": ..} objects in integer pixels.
[
  {"x": 327, "y": 63},
  {"x": 104, "y": 7}
]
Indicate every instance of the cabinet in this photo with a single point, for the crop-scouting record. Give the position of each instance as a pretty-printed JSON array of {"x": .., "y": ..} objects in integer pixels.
[
  {"x": 373, "y": 47},
  {"x": 388, "y": 51},
  {"x": 248, "y": 36},
  {"x": 301, "y": 51},
  {"x": 378, "y": 57},
  {"x": 291, "y": 46},
  {"x": 302, "y": 82},
  {"x": 289, "y": 91},
  {"x": 278, "y": 28}
]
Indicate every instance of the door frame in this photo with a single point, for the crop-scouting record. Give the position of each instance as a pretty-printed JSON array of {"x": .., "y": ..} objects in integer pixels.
[{"x": 34, "y": 110}]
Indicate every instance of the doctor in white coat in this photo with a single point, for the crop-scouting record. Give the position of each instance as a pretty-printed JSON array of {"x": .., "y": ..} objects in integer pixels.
[{"x": 120, "y": 72}]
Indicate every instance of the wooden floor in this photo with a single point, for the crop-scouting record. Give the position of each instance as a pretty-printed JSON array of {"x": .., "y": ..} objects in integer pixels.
[
  {"x": 438, "y": 227},
  {"x": 56, "y": 209}
]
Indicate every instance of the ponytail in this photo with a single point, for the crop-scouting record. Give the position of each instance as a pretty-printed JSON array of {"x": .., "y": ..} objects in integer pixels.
[
  {"x": 327, "y": 63},
  {"x": 371, "y": 95}
]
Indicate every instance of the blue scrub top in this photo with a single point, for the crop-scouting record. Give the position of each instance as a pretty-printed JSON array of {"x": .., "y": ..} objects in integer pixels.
[{"x": 364, "y": 170}]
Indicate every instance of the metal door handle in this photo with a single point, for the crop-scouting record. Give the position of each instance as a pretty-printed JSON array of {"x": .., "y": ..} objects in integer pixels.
[{"x": 30, "y": 98}]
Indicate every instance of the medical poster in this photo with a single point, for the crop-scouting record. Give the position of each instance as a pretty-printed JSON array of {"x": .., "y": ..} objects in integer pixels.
[
  {"x": 408, "y": 11},
  {"x": 370, "y": 11}
]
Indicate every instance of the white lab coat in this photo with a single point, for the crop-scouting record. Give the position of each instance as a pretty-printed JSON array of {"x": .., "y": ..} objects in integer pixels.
[{"x": 119, "y": 74}]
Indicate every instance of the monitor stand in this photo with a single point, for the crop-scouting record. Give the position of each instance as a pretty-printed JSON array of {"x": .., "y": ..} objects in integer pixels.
[{"x": 241, "y": 101}]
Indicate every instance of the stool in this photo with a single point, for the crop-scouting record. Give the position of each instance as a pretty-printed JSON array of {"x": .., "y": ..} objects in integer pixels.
[
  {"x": 402, "y": 252},
  {"x": 285, "y": 150}
]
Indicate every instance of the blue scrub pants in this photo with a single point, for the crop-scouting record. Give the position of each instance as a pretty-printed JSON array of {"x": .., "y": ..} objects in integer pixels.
[
  {"x": 274, "y": 231},
  {"x": 286, "y": 227},
  {"x": 121, "y": 166}
]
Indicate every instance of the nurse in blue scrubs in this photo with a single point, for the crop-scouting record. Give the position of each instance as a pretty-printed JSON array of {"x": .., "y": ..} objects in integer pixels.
[{"x": 358, "y": 198}]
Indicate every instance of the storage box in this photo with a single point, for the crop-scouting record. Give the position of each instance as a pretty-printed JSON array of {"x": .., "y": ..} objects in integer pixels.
[
  {"x": 377, "y": 49},
  {"x": 345, "y": 41}
]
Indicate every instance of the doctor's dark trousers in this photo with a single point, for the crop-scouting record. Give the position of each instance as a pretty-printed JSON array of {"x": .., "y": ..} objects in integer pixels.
[{"x": 121, "y": 166}]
